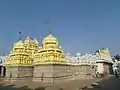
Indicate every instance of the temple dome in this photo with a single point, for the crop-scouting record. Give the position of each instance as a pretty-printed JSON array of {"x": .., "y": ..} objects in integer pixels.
[
  {"x": 50, "y": 51},
  {"x": 19, "y": 44},
  {"x": 48, "y": 39}
]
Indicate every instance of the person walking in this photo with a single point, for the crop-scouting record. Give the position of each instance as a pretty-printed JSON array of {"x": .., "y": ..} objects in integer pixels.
[{"x": 116, "y": 74}]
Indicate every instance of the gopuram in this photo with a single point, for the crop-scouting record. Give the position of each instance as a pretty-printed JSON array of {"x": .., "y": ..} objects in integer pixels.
[{"x": 45, "y": 63}]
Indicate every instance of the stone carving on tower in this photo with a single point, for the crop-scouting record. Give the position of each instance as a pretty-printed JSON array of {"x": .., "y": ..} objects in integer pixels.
[{"x": 31, "y": 45}]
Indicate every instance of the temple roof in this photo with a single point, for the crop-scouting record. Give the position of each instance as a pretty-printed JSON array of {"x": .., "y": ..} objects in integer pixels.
[
  {"x": 30, "y": 41},
  {"x": 19, "y": 44},
  {"x": 49, "y": 38}
]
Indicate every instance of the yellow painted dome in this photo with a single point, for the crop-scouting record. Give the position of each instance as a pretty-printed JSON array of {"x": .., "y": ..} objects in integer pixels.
[
  {"x": 48, "y": 39},
  {"x": 19, "y": 44}
]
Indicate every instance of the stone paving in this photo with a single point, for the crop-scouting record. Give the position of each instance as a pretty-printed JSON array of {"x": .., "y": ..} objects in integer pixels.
[
  {"x": 66, "y": 85},
  {"x": 112, "y": 83}
]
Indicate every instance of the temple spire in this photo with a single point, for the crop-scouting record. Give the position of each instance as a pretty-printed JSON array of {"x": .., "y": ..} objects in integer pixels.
[
  {"x": 47, "y": 22},
  {"x": 49, "y": 31},
  {"x": 20, "y": 36}
]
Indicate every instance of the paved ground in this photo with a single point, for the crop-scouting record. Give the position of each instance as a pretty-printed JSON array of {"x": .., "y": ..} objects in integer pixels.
[
  {"x": 68, "y": 85},
  {"x": 112, "y": 83}
]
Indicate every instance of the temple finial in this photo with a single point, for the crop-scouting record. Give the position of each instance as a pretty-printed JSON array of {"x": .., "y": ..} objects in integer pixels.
[
  {"x": 49, "y": 30},
  {"x": 47, "y": 21},
  {"x": 20, "y": 36}
]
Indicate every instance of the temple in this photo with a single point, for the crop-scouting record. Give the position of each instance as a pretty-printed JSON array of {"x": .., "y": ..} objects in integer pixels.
[
  {"x": 49, "y": 63},
  {"x": 20, "y": 60}
]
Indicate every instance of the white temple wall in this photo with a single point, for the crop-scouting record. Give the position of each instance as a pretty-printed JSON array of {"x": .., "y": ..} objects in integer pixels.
[{"x": 100, "y": 68}]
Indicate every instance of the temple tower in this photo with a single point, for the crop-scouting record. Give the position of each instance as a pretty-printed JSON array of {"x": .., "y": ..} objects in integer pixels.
[
  {"x": 104, "y": 63},
  {"x": 31, "y": 45},
  {"x": 20, "y": 60},
  {"x": 18, "y": 63},
  {"x": 49, "y": 62}
]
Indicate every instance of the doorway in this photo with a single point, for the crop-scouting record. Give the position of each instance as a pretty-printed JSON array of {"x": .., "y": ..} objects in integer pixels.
[{"x": 2, "y": 71}]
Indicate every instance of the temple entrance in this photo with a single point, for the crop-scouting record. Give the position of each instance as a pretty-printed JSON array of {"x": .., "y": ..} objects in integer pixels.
[{"x": 2, "y": 71}]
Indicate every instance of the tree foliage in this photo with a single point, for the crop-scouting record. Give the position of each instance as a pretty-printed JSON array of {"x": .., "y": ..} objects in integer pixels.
[{"x": 117, "y": 57}]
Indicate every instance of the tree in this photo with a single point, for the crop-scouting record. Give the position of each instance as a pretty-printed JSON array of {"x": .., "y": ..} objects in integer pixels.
[{"x": 117, "y": 57}]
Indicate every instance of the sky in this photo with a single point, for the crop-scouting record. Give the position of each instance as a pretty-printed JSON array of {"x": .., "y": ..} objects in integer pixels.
[{"x": 79, "y": 25}]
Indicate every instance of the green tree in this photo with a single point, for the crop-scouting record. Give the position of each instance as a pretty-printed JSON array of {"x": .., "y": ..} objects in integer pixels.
[{"x": 117, "y": 57}]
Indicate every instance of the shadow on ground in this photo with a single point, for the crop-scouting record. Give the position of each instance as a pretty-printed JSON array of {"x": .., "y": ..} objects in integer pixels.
[
  {"x": 11, "y": 87},
  {"x": 93, "y": 86},
  {"x": 107, "y": 84},
  {"x": 96, "y": 85}
]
